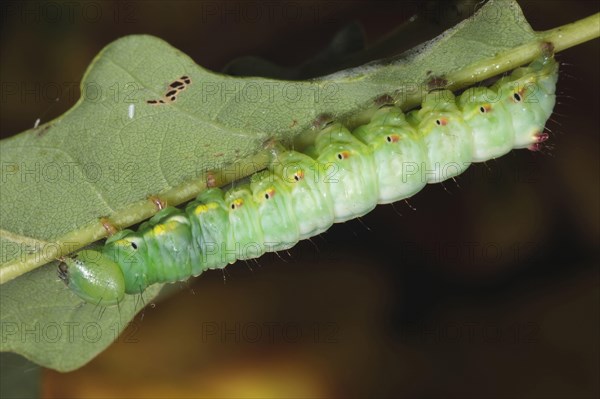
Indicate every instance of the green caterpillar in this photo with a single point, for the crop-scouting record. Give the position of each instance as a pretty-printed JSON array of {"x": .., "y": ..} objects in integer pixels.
[{"x": 343, "y": 176}]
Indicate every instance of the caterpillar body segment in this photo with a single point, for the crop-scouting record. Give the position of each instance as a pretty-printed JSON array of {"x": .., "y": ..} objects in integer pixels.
[
  {"x": 398, "y": 154},
  {"x": 343, "y": 176},
  {"x": 446, "y": 136},
  {"x": 246, "y": 238},
  {"x": 529, "y": 95},
  {"x": 148, "y": 255},
  {"x": 279, "y": 221},
  {"x": 349, "y": 169},
  {"x": 310, "y": 197},
  {"x": 490, "y": 123},
  {"x": 208, "y": 214}
]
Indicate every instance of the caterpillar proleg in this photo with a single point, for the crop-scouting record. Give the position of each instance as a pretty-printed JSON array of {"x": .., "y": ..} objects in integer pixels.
[{"x": 343, "y": 176}]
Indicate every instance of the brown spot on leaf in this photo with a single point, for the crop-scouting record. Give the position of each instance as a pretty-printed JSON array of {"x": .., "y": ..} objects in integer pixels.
[
  {"x": 322, "y": 120},
  {"x": 437, "y": 82},
  {"x": 211, "y": 180}
]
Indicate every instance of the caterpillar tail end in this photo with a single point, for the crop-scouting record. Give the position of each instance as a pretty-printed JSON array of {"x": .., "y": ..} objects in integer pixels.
[
  {"x": 540, "y": 138},
  {"x": 93, "y": 277}
]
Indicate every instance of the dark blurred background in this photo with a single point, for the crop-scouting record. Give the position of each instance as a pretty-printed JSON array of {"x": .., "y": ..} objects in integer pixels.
[{"x": 488, "y": 288}]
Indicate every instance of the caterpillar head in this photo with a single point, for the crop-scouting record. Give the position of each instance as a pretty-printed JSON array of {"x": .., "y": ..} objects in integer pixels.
[{"x": 93, "y": 277}]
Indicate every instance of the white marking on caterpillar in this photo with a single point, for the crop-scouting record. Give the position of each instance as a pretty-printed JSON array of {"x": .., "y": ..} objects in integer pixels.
[{"x": 131, "y": 111}]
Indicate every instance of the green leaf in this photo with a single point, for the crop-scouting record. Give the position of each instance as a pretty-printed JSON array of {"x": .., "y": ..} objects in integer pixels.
[
  {"x": 113, "y": 149},
  {"x": 41, "y": 320}
]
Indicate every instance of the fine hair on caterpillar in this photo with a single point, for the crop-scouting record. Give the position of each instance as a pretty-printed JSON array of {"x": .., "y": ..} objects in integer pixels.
[{"x": 342, "y": 176}]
